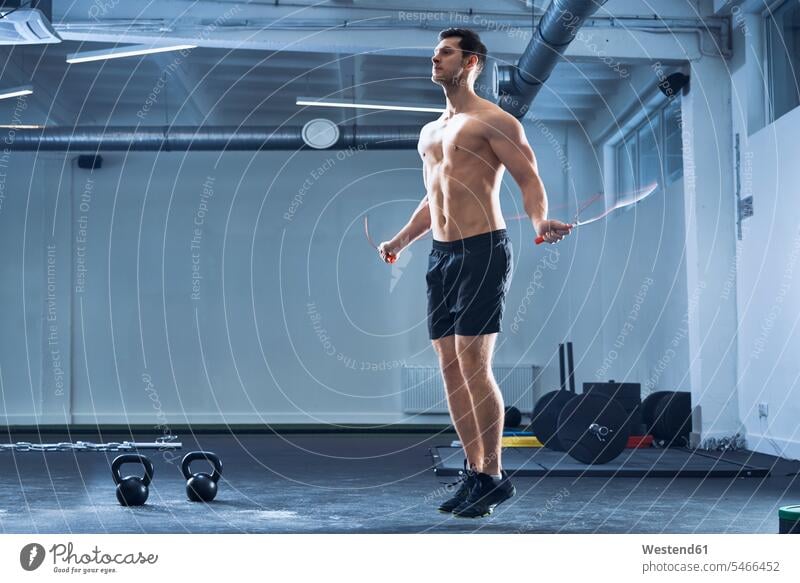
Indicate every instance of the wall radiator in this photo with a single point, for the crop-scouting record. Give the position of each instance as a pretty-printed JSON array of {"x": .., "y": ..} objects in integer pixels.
[{"x": 423, "y": 388}]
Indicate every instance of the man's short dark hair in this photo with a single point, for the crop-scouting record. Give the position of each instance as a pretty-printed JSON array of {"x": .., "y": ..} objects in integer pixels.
[{"x": 470, "y": 43}]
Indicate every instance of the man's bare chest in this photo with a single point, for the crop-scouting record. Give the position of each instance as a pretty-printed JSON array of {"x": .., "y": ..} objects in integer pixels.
[{"x": 451, "y": 140}]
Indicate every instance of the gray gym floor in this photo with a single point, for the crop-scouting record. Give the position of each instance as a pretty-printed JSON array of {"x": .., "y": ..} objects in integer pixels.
[{"x": 365, "y": 483}]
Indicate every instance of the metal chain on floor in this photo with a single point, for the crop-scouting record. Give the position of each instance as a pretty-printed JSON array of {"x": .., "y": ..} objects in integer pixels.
[{"x": 161, "y": 443}]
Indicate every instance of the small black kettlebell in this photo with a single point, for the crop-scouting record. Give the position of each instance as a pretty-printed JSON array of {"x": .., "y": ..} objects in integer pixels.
[
  {"x": 132, "y": 490},
  {"x": 201, "y": 487}
]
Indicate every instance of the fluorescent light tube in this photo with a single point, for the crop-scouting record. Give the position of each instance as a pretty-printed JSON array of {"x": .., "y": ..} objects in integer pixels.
[
  {"x": 121, "y": 52},
  {"x": 365, "y": 105},
  {"x": 16, "y": 91}
]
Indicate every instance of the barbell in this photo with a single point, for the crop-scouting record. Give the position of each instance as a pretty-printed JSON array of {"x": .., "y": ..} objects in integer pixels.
[{"x": 591, "y": 428}]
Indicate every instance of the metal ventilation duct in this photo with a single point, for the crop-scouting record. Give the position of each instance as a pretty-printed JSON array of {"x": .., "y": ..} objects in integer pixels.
[
  {"x": 556, "y": 29},
  {"x": 187, "y": 138}
]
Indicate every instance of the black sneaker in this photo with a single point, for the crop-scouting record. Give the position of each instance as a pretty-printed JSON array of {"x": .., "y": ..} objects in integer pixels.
[
  {"x": 466, "y": 481},
  {"x": 485, "y": 496}
]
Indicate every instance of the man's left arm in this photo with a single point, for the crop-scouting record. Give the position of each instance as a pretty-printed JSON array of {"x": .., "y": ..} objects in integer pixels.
[{"x": 507, "y": 140}]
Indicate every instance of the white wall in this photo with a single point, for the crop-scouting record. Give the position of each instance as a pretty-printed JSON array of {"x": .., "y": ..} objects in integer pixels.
[
  {"x": 768, "y": 298},
  {"x": 768, "y": 295},
  {"x": 22, "y": 270},
  {"x": 144, "y": 351},
  {"x": 135, "y": 344}
]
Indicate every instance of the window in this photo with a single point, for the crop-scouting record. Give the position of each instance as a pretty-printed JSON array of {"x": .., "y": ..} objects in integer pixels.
[
  {"x": 673, "y": 145},
  {"x": 783, "y": 58},
  {"x": 652, "y": 151},
  {"x": 626, "y": 165}
]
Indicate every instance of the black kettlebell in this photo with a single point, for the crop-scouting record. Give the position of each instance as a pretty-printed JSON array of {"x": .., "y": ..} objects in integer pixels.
[
  {"x": 201, "y": 487},
  {"x": 132, "y": 490}
]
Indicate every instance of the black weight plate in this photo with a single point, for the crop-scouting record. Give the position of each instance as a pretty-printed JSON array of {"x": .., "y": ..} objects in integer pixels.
[
  {"x": 679, "y": 413},
  {"x": 544, "y": 421},
  {"x": 649, "y": 408},
  {"x": 660, "y": 430},
  {"x": 673, "y": 419},
  {"x": 512, "y": 418},
  {"x": 576, "y": 436}
]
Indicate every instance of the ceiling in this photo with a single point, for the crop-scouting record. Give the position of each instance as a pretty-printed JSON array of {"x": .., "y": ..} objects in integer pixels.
[{"x": 226, "y": 85}]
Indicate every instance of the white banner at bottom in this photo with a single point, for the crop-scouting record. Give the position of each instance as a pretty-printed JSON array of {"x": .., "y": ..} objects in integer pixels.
[{"x": 390, "y": 558}]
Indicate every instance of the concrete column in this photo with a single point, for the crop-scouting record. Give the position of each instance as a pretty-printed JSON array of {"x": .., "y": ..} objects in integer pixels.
[{"x": 710, "y": 324}]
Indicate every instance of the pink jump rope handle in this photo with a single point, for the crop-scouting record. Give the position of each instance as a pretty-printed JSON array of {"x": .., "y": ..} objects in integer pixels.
[{"x": 391, "y": 258}]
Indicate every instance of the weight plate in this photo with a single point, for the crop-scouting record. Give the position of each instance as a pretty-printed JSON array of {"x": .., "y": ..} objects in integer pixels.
[
  {"x": 512, "y": 418},
  {"x": 593, "y": 428},
  {"x": 673, "y": 419},
  {"x": 649, "y": 408},
  {"x": 544, "y": 421},
  {"x": 789, "y": 513}
]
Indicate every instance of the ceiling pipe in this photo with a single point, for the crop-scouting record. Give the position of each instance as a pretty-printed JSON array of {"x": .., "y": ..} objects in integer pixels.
[
  {"x": 188, "y": 138},
  {"x": 514, "y": 87},
  {"x": 556, "y": 29}
]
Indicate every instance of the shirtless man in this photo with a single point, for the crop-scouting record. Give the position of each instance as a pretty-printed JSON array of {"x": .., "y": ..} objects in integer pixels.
[{"x": 464, "y": 154}]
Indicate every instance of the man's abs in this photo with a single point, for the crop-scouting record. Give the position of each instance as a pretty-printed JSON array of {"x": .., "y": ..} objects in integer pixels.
[{"x": 459, "y": 211}]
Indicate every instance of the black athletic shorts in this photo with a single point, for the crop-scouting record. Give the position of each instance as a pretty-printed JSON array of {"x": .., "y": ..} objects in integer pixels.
[{"x": 467, "y": 284}]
